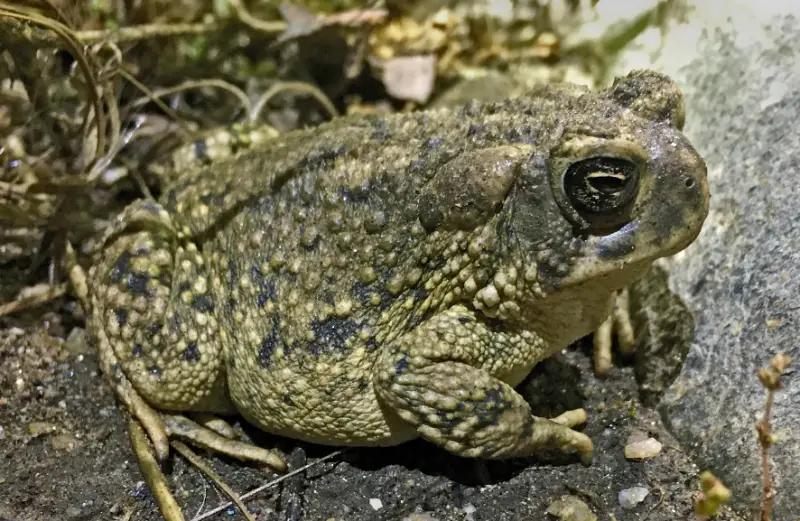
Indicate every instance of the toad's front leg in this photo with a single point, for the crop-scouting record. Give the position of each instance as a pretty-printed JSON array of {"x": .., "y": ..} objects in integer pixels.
[{"x": 445, "y": 378}]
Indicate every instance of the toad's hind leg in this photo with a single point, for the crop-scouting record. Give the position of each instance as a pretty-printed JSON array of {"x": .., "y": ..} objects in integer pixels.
[
  {"x": 152, "y": 310},
  {"x": 439, "y": 377}
]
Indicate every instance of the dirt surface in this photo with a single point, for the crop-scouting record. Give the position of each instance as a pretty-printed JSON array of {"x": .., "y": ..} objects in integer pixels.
[{"x": 65, "y": 452}]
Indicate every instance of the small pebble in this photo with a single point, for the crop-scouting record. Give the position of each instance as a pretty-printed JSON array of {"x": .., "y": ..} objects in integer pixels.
[
  {"x": 39, "y": 428},
  {"x": 76, "y": 343},
  {"x": 644, "y": 449},
  {"x": 630, "y": 497},
  {"x": 420, "y": 516},
  {"x": 571, "y": 508},
  {"x": 65, "y": 442},
  {"x": 376, "y": 503},
  {"x": 469, "y": 510}
]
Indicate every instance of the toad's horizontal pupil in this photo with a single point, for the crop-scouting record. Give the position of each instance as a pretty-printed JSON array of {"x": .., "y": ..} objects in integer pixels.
[{"x": 606, "y": 182}]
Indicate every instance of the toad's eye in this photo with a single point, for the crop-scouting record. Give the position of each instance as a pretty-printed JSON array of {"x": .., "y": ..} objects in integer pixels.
[{"x": 602, "y": 186}]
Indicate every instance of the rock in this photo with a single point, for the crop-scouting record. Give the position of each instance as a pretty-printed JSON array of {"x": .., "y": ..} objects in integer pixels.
[
  {"x": 76, "y": 343},
  {"x": 741, "y": 279},
  {"x": 630, "y": 497},
  {"x": 643, "y": 449},
  {"x": 571, "y": 508},
  {"x": 410, "y": 77},
  {"x": 65, "y": 442}
]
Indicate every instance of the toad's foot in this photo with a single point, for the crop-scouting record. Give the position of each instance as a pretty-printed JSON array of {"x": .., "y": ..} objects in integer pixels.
[
  {"x": 619, "y": 324},
  {"x": 461, "y": 406},
  {"x": 180, "y": 427},
  {"x": 183, "y": 428}
]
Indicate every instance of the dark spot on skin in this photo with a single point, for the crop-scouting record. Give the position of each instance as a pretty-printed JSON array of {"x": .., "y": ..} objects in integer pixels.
[
  {"x": 514, "y": 136},
  {"x": 122, "y": 316},
  {"x": 418, "y": 166},
  {"x": 213, "y": 199},
  {"x": 175, "y": 323},
  {"x": 471, "y": 109},
  {"x": 465, "y": 320},
  {"x": 386, "y": 299},
  {"x": 121, "y": 267},
  {"x": 420, "y": 293},
  {"x": 232, "y": 304},
  {"x": 287, "y": 399},
  {"x": 155, "y": 371},
  {"x": 332, "y": 334},
  {"x": 137, "y": 350},
  {"x": 327, "y": 297},
  {"x": 191, "y": 353},
  {"x": 436, "y": 263},
  {"x": 475, "y": 130},
  {"x": 401, "y": 365},
  {"x": 355, "y": 195},
  {"x": 434, "y": 142},
  {"x": 321, "y": 161},
  {"x": 200, "y": 149},
  {"x": 172, "y": 199},
  {"x": 153, "y": 330},
  {"x": 151, "y": 207},
  {"x": 489, "y": 409},
  {"x": 371, "y": 344},
  {"x": 269, "y": 343},
  {"x": 137, "y": 284},
  {"x": 380, "y": 129},
  {"x": 164, "y": 280},
  {"x": 418, "y": 318},
  {"x": 231, "y": 362},
  {"x": 363, "y": 384},
  {"x": 448, "y": 424},
  {"x": 203, "y": 304},
  {"x": 217, "y": 198},
  {"x": 233, "y": 273},
  {"x": 360, "y": 292},
  {"x": 183, "y": 286},
  {"x": 266, "y": 286}
]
